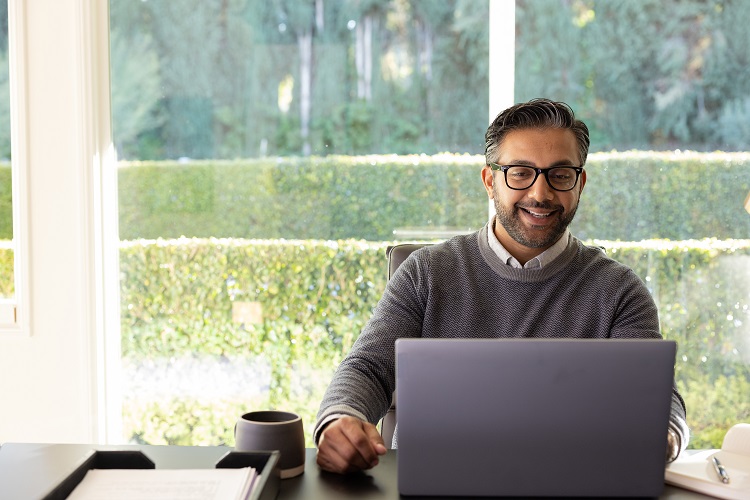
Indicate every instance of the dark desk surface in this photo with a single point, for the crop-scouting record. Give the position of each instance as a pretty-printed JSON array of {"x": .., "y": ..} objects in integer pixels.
[{"x": 28, "y": 471}]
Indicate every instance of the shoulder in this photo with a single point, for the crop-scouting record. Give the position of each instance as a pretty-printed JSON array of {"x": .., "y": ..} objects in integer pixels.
[
  {"x": 595, "y": 255},
  {"x": 594, "y": 262},
  {"x": 452, "y": 252},
  {"x": 454, "y": 248}
]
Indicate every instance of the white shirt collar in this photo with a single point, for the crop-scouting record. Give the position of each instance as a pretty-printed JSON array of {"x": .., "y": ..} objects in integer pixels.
[{"x": 537, "y": 262}]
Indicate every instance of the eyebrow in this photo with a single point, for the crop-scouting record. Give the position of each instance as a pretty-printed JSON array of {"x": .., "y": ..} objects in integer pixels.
[{"x": 559, "y": 163}]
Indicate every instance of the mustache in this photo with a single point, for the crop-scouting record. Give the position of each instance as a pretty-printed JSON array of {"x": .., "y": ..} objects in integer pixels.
[{"x": 543, "y": 206}]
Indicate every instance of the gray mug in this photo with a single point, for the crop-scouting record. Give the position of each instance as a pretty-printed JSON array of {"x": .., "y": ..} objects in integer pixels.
[{"x": 273, "y": 430}]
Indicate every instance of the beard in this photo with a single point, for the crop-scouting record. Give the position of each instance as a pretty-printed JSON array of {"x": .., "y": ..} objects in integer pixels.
[{"x": 508, "y": 217}]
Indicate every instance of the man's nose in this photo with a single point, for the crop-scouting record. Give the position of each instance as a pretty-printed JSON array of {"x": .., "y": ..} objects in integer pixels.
[{"x": 541, "y": 190}]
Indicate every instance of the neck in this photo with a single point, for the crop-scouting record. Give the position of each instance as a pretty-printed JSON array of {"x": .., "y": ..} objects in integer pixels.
[{"x": 521, "y": 253}]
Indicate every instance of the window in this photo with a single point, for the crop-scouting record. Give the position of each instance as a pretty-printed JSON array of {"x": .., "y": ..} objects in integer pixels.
[
  {"x": 257, "y": 141},
  {"x": 269, "y": 151}
]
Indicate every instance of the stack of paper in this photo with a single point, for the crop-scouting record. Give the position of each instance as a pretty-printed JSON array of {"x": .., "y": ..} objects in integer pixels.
[
  {"x": 166, "y": 484},
  {"x": 699, "y": 473}
]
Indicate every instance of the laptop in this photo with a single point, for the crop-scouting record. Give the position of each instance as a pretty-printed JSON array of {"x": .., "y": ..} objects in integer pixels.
[{"x": 533, "y": 417}]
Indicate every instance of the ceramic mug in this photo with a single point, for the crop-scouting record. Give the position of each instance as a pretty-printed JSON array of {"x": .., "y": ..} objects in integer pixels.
[{"x": 274, "y": 430}]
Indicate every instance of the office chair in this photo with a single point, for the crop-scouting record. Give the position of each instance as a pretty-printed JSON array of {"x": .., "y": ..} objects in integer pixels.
[{"x": 396, "y": 255}]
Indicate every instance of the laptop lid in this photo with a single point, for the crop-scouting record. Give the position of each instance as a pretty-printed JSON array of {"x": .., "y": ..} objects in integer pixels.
[{"x": 533, "y": 417}]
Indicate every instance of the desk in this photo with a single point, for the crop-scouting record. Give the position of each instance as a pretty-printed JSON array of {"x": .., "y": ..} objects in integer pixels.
[{"x": 28, "y": 471}]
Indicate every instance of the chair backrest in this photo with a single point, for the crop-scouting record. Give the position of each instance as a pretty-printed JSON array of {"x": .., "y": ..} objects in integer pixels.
[{"x": 396, "y": 255}]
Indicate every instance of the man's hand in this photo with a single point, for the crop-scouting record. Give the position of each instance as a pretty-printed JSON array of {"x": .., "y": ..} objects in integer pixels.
[{"x": 348, "y": 445}]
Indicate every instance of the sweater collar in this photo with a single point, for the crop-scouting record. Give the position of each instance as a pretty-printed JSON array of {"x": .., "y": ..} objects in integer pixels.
[{"x": 537, "y": 262}]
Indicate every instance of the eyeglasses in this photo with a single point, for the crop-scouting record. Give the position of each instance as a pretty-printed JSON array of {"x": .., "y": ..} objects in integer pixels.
[{"x": 521, "y": 177}]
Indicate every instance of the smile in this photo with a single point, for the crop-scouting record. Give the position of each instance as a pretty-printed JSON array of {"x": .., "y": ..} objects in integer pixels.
[{"x": 537, "y": 215}]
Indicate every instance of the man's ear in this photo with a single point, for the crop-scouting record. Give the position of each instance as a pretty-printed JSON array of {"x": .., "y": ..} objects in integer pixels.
[
  {"x": 582, "y": 180},
  {"x": 488, "y": 179}
]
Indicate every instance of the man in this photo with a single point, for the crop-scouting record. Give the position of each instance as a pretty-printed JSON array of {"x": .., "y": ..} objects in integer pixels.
[{"x": 522, "y": 275}]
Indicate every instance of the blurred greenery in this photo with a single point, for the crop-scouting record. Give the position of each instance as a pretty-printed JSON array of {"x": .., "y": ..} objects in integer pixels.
[
  {"x": 7, "y": 273},
  {"x": 224, "y": 79},
  {"x": 178, "y": 298},
  {"x": 628, "y": 196}
]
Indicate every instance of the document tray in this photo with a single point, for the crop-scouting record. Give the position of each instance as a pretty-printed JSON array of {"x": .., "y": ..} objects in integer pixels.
[{"x": 265, "y": 463}]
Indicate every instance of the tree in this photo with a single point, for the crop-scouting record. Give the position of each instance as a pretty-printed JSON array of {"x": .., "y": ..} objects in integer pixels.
[
  {"x": 135, "y": 91},
  {"x": 303, "y": 19},
  {"x": 652, "y": 74}
]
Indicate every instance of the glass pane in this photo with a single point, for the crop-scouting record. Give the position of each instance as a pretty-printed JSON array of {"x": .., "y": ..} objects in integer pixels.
[
  {"x": 666, "y": 99},
  {"x": 7, "y": 275},
  {"x": 269, "y": 152}
]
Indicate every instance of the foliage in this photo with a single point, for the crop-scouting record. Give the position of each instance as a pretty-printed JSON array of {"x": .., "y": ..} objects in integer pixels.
[
  {"x": 651, "y": 74},
  {"x": 135, "y": 88},
  {"x": 6, "y": 202},
  {"x": 178, "y": 296},
  {"x": 4, "y": 106},
  {"x": 628, "y": 196},
  {"x": 220, "y": 65},
  {"x": 679, "y": 196},
  {"x": 7, "y": 283},
  {"x": 284, "y": 197},
  {"x": 179, "y": 300},
  {"x": 714, "y": 405}
]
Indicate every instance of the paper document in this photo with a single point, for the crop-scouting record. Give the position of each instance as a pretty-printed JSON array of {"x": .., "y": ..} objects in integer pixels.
[
  {"x": 166, "y": 484},
  {"x": 700, "y": 473}
]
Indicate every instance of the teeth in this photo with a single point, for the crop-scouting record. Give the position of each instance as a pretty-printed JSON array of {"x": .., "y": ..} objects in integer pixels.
[{"x": 535, "y": 214}]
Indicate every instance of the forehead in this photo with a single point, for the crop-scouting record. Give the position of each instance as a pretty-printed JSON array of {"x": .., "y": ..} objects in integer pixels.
[{"x": 539, "y": 147}]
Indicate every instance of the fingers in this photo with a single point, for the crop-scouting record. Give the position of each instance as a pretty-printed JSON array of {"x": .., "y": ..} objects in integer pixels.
[
  {"x": 348, "y": 445},
  {"x": 375, "y": 439}
]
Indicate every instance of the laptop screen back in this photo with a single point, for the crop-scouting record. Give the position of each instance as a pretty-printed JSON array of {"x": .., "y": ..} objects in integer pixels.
[{"x": 533, "y": 417}]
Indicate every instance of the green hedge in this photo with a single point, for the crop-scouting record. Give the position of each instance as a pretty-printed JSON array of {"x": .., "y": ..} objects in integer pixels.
[
  {"x": 7, "y": 272},
  {"x": 628, "y": 197},
  {"x": 178, "y": 296},
  {"x": 678, "y": 196},
  {"x": 6, "y": 202},
  {"x": 299, "y": 198}
]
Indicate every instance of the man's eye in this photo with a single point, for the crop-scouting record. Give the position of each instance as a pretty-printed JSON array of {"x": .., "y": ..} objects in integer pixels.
[
  {"x": 521, "y": 174},
  {"x": 560, "y": 177}
]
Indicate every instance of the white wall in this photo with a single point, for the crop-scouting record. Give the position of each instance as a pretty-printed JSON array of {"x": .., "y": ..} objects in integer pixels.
[{"x": 48, "y": 389}]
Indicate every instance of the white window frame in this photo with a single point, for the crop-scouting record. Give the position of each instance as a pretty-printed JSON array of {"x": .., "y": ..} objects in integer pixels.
[
  {"x": 64, "y": 354},
  {"x": 15, "y": 312}
]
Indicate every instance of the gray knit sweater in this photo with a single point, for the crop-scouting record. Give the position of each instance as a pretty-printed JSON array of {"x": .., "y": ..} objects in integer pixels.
[{"x": 460, "y": 288}]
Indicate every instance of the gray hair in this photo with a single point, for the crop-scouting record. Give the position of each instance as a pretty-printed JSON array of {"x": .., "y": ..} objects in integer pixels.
[{"x": 537, "y": 113}]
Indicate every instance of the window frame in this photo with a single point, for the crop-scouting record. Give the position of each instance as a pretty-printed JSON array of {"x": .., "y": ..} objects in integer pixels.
[{"x": 15, "y": 314}]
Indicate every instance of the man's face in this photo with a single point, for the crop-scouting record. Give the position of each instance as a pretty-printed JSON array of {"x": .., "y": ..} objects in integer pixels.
[{"x": 533, "y": 219}]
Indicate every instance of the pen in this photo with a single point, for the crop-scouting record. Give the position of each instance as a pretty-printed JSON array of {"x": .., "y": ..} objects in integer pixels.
[{"x": 720, "y": 470}]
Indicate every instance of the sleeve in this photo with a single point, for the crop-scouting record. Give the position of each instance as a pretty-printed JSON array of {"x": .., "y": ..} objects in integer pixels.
[
  {"x": 678, "y": 426},
  {"x": 364, "y": 382}
]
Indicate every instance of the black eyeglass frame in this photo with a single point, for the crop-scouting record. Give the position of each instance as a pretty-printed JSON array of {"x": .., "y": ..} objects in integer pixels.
[{"x": 545, "y": 171}]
